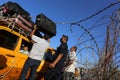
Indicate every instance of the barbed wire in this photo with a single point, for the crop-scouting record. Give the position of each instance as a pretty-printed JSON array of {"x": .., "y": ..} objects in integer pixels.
[
  {"x": 112, "y": 4},
  {"x": 89, "y": 17},
  {"x": 92, "y": 37}
]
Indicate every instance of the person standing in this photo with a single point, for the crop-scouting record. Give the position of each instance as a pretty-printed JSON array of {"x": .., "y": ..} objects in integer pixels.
[
  {"x": 36, "y": 55},
  {"x": 72, "y": 65},
  {"x": 54, "y": 72}
]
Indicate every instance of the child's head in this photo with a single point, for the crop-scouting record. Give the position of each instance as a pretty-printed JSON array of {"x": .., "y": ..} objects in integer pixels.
[
  {"x": 25, "y": 48},
  {"x": 73, "y": 48}
]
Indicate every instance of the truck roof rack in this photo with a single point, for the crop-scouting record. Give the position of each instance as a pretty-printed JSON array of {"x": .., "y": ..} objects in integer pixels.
[{"x": 18, "y": 24}]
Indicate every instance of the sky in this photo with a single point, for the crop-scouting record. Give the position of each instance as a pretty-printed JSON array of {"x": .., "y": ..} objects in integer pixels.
[{"x": 67, "y": 11}]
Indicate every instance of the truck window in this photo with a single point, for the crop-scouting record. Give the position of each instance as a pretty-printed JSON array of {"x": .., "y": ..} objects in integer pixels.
[
  {"x": 8, "y": 40},
  {"x": 25, "y": 47}
]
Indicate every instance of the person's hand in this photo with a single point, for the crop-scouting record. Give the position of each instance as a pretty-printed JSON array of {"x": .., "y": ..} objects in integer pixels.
[
  {"x": 70, "y": 62},
  {"x": 35, "y": 27},
  {"x": 51, "y": 65},
  {"x": 64, "y": 68},
  {"x": 33, "y": 31},
  {"x": 48, "y": 40}
]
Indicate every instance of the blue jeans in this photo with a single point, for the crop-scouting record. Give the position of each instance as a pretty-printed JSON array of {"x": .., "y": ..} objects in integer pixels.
[{"x": 33, "y": 65}]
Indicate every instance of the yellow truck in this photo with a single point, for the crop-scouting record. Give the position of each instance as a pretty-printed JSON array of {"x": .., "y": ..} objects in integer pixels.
[
  {"x": 15, "y": 28},
  {"x": 12, "y": 40}
]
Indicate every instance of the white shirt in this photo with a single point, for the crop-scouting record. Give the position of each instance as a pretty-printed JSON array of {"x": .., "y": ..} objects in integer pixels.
[
  {"x": 25, "y": 52},
  {"x": 71, "y": 68},
  {"x": 38, "y": 48}
]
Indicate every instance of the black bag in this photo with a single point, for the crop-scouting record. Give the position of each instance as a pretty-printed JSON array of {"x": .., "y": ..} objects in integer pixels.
[
  {"x": 49, "y": 56},
  {"x": 45, "y": 25}
]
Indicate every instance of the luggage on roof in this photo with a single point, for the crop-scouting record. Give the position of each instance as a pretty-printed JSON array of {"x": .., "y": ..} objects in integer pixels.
[
  {"x": 45, "y": 25},
  {"x": 11, "y": 8},
  {"x": 16, "y": 17},
  {"x": 18, "y": 24},
  {"x": 19, "y": 21}
]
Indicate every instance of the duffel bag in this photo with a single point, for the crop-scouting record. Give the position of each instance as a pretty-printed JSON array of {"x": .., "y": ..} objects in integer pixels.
[
  {"x": 50, "y": 55},
  {"x": 45, "y": 25}
]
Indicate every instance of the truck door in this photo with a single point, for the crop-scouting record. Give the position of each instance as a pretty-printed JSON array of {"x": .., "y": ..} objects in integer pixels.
[
  {"x": 8, "y": 42},
  {"x": 23, "y": 52}
]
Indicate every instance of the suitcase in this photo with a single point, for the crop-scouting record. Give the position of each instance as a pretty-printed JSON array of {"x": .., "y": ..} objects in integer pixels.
[{"x": 45, "y": 25}]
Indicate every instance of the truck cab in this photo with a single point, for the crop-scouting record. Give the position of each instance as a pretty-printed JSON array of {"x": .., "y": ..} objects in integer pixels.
[
  {"x": 12, "y": 40},
  {"x": 15, "y": 28}
]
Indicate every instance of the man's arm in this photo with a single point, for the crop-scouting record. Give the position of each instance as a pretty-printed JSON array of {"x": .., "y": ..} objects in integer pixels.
[
  {"x": 69, "y": 63},
  {"x": 33, "y": 31},
  {"x": 52, "y": 65}
]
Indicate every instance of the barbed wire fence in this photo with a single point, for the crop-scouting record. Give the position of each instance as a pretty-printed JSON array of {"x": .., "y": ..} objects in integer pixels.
[
  {"x": 100, "y": 63},
  {"x": 108, "y": 65}
]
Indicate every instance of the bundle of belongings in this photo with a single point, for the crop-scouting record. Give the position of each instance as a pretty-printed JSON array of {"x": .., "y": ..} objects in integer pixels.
[
  {"x": 16, "y": 16},
  {"x": 22, "y": 19},
  {"x": 12, "y": 9}
]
